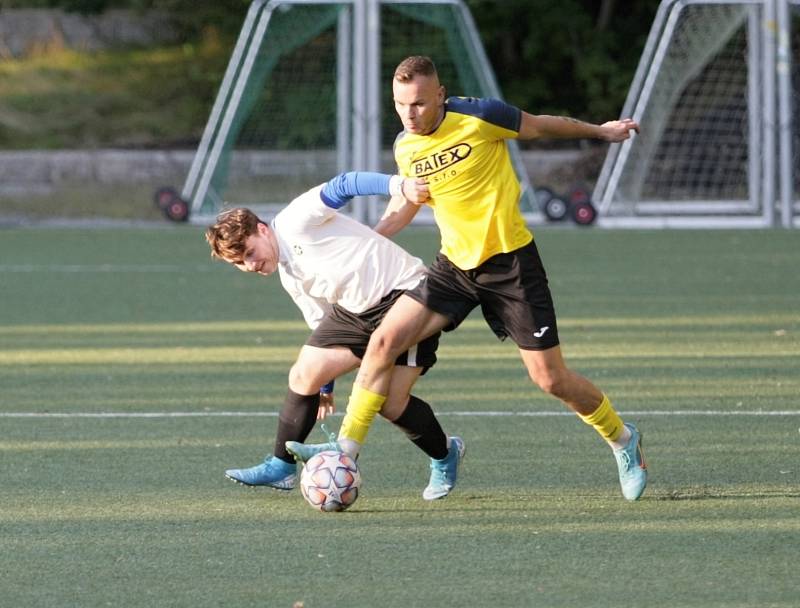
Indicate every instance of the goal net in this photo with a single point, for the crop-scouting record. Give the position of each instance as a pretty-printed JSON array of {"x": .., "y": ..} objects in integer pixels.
[
  {"x": 713, "y": 96},
  {"x": 307, "y": 94}
]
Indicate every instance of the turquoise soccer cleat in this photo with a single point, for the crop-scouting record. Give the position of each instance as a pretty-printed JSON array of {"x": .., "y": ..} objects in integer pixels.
[
  {"x": 273, "y": 472},
  {"x": 631, "y": 465},
  {"x": 444, "y": 472},
  {"x": 305, "y": 451}
]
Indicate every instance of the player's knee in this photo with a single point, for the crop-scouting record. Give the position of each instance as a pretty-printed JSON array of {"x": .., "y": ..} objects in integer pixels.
[
  {"x": 552, "y": 382},
  {"x": 384, "y": 347},
  {"x": 394, "y": 406},
  {"x": 302, "y": 379}
]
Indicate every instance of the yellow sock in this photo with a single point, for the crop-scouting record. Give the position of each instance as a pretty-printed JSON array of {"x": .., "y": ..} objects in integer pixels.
[
  {"x": 361, "y": 410},
  {"x": 605, "y": 421}
]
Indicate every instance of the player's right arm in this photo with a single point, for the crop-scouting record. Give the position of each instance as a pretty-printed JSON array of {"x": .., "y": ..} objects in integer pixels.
[
  {"x": 327, "y": 406},
  {"x": 399, "y": 213}
]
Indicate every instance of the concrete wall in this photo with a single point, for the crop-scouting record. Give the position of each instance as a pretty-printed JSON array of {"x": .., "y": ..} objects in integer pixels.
[{"x": 40, "y": 172}]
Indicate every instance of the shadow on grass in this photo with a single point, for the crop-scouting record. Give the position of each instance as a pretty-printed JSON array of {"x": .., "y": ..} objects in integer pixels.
[{"x": 723, "y": 494}]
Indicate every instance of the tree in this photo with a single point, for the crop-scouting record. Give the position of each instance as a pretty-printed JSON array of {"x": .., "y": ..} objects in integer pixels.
[{"x": 574, "y": 57}]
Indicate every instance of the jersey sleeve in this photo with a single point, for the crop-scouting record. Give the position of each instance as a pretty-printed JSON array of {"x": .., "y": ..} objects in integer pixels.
[
  {"x": 318, "y": 205},
  {"x": 498, "y": 119},
  {"x": 306, "y": 210},
  {"x": 337, "y": 192}
]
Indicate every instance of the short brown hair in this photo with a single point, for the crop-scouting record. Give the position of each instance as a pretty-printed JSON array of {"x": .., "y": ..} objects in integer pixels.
[
  {"x": 416, "y": 65},
  {"x": 228, "y": 236}
]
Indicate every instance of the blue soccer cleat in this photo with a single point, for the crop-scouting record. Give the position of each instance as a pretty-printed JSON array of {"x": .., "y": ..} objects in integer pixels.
[
  {"x": 273, "y": 472},
  {"x": 444, "y": 472},
  {"x": 305, "y": 451},
  {"x": 631, "y": 465}
]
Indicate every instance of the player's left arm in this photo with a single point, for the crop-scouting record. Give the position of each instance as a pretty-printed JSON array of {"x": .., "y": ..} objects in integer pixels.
[
  {"x": 337, "y": 192},
  {"x": 406, "y": 195},
  {"x": 534, "y": 126}
]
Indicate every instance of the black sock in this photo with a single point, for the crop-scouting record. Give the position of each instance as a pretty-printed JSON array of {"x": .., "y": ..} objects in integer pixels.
[
  {"x": 298, "y": 416},
  {"x": 421, "y": 426}
]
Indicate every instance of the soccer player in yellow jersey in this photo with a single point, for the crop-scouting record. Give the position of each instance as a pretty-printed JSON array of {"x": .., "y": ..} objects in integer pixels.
[{"x": 488, "y": 259}]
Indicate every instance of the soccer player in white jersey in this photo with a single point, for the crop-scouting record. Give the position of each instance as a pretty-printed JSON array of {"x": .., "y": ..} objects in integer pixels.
[{"x": 344, "y": 277}]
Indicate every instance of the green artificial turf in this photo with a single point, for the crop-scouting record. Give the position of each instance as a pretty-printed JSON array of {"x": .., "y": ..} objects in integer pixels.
[{"x": 695, "y": 335}]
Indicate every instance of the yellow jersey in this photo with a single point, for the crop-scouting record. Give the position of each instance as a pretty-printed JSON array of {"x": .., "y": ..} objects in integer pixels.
[{"x": 474, "y": 190}]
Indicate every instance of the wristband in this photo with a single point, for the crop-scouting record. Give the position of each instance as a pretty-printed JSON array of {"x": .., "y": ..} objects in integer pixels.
[
  {"x": 396, "y": 185},
  {"x": 327, "y": 389}
]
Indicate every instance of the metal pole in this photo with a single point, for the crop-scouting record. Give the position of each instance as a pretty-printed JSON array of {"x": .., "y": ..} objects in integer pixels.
[
  {"x": 784, "y": 71},
  {"x": 373, "y": 101},
  {"x": 768, "y": 115},
  {"x": 219, "y": 103},
  {"x": 641, "y": 103},
  {"x": 754, "y": 46},
  {"x": 344, "y": 71},
  {"x": 233, "y": 106},
  {"x": 486, "y": 73},
  {"x": 359, "y": 98},
  {"x": 604, "y": 190}
]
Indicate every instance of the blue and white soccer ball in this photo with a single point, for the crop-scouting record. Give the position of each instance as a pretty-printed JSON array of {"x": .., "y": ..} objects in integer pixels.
[{"x": 330, "y": 481}]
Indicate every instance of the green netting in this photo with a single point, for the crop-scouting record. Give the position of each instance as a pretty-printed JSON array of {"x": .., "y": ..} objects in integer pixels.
[
  {"x": 693, "y": 144},
  {"x": 451, "y": 51},
  {"x": 288, "y": 103},
  {"x": 283, "y": 128}
]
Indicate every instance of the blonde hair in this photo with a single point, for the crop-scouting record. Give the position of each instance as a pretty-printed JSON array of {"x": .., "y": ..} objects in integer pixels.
[
  {"x": 416, "y": 65},
  {"x": 228, "y": 236}
]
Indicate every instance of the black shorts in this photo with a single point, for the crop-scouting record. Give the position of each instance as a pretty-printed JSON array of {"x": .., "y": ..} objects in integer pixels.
[
  {"x": 511, "y": 289},
  {"x": 343, "y": 328}
]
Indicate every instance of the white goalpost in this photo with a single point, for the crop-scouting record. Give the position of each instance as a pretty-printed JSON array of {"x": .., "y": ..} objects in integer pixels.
[
  {"x": 715, "y": 94},
  {"x": 307, "y": 94}
]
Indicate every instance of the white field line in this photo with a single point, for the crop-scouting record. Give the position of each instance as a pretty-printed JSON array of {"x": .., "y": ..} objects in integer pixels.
[
  {"x": 477, "y": 414},
  {"x": 25, "y": 268}
]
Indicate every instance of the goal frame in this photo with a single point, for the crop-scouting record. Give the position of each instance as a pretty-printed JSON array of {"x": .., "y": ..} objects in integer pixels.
[
  {"x": 771, "y": 200},
  {"x": 358, "y": 99}
]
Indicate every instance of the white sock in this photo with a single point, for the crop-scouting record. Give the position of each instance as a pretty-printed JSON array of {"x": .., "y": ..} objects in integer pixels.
[
  {"x": 350, "y": 447},
  {"x": 622, "y": 440}
]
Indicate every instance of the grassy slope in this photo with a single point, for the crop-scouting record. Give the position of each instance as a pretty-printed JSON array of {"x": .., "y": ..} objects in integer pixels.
[
  {"x": 135, "y": 512},
  {"x": 60, "y": 99},
  {"x": 65, "y": 99}
]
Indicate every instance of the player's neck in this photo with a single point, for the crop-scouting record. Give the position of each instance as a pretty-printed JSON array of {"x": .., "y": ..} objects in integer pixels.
[{"x": 438, "y": 122}]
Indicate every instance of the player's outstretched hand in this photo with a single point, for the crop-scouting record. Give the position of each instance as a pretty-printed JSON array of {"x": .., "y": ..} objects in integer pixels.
[
  {"x": 415, "y": 190},
  {"x": 619, "y": 130},
  {"x": 326, "y": 406}
]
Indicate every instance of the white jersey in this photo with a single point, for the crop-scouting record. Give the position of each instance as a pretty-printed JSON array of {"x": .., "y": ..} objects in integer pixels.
[{"x": 329, "y": 258}]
